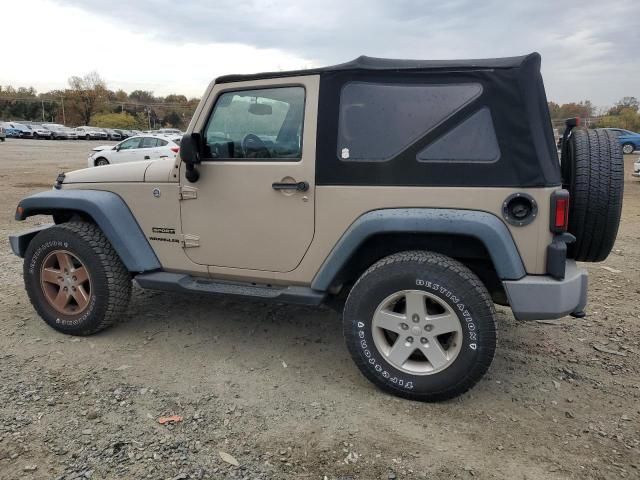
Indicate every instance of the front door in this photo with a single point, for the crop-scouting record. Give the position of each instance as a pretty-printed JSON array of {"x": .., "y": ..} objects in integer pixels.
[{"x": 245, "y": 211}]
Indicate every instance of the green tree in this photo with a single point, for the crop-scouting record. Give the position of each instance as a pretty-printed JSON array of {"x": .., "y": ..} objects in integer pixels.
[
  {"x": 624, "y": 104},
  {"x": 117, "y": 120}
]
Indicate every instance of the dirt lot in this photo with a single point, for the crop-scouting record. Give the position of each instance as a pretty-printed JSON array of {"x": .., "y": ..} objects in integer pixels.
[{"x": 274, "y": 387}]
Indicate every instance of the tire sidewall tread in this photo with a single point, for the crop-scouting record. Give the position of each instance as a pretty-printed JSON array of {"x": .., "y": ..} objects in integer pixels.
[
  {"x": 110, "y": 280},
  {"x": 438, "y": 275}
]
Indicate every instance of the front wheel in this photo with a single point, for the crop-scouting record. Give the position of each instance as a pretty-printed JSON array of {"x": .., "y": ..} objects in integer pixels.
[
  {"x": 628, "y": 148},
  {"x": 101, "y": 162},
  {"x": 75, "y": 279},
  {"x": 420, "y": 325}
]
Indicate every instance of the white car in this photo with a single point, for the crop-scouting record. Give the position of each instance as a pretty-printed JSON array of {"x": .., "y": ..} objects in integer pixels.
[
  {"x": 39, "y": 131},
  {"x": 169, "y": 131},
  {"x": 91, "y": 133},
  {"x": 636, "y": 169},
  {"x": 135, "y": 149}
]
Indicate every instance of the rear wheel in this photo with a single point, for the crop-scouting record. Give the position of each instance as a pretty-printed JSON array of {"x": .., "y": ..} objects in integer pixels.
[
  {"x": 75, "y": 279},
  {"x": 628, "y": 148},
  {"x": 420, "y": 325},
  {"x": 594, "y": 175}
]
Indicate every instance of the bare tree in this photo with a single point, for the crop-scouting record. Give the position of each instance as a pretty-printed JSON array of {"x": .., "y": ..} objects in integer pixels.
[{"x": 87, "y": 94}]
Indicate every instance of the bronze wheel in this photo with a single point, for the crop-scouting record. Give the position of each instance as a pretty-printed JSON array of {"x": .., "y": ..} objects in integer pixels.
[
  {"x": 74, "y": 278},
  {"x": 65, "y": 282}
]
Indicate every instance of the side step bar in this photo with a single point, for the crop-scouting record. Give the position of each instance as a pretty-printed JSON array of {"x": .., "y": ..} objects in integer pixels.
[{"x": 177, "y": 282}]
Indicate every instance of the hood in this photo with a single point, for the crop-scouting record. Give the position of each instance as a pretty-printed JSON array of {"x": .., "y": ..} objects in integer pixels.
[
  {"x": 99, "y": 148},
  {"x": 123, "y": 172}
]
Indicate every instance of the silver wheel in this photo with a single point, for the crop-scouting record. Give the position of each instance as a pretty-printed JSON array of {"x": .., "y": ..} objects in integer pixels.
[
  {"x": 417, "y": 332},
  {"x": 627, "y": 148}
]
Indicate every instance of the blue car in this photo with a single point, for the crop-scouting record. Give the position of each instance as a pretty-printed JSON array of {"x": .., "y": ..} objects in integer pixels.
[
  {"x": 629, "y": 140},
  {"x": 9, "y": 130}
]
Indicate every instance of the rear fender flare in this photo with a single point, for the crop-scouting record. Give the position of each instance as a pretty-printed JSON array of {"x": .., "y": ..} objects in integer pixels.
[{"x": 484, "y": 226}]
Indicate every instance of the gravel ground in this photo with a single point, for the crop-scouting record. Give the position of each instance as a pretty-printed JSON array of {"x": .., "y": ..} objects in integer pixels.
[{"x": 269, "y": 391}]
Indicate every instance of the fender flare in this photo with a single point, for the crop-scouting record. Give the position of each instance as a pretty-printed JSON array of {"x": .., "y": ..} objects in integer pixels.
[
  {"x": 484, "y": 226},
  {"x": 109, "y": 212}
]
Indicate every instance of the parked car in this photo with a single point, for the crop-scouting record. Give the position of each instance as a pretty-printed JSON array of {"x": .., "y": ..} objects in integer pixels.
[
  {"x": 39, "y": 131},
  {"x": 629, "y": 140},
  {"x": 71, "y": 133},
  {"x": 91, "y": 133},
  {"x": 9, "y": 130},
  {"x": 636, "y": 169},
  {"x": 58, "y": 132},
  {"x": 25, "y": 131},
  {"x": 169, "y": 131},
  {"x": 134, "y": 149},
  {"x": 3, "y": 135},
  {"x": 123, "y": 133},
  {"x": 112, "y": 134}
]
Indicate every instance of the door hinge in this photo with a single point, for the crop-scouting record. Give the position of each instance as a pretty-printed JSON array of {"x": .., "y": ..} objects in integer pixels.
[
  {"x": 189, "y": 241},
  {"x": 188, "y": 193}
]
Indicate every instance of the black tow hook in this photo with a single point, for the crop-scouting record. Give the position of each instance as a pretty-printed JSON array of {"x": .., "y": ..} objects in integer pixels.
[{"x": 580, "y": 314}]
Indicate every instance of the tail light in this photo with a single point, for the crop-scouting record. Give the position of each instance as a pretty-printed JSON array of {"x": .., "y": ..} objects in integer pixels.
[
  {"x": 175, "y": 149},
  {"x": 559, "y": 219}
]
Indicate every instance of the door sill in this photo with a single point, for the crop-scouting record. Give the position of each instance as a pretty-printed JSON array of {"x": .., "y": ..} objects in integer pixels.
[{"x": 177, "y": 282}]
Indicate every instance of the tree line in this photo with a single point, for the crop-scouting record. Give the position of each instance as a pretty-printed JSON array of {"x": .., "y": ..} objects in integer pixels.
[
  {"x": 88, "y": 101},
  {"x": 624, "y": 114}
]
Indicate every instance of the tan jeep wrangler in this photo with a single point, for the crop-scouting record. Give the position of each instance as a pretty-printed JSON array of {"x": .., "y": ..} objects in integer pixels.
[{"x": 412, "y": 194}]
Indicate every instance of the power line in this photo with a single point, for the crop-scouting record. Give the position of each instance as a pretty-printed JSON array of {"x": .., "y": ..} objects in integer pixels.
[{"x": 108, "y": 102}]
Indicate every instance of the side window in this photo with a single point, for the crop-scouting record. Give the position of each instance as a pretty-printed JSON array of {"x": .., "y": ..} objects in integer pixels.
[
  {"x": 472, "y": 140},
  {"x": 378, "y": 121},
  {"x": 149, "y": 142},
  {"x": 256, "y": 124},
  {"x": 130, "y": 143}
]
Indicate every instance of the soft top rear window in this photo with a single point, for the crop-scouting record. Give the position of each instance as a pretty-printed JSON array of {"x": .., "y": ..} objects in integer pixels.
[{"x": 377, "y": 121}]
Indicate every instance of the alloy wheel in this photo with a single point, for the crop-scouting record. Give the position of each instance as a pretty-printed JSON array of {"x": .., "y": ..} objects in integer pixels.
[{"x": 417, "y": 332}]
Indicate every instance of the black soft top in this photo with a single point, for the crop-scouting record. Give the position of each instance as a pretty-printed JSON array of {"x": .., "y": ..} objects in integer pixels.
[
  {"x": 508, "y": 118},
  {"x": 398, "y": 65}
]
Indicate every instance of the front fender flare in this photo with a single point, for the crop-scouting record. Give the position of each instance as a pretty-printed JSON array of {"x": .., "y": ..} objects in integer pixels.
[
  {"x": 107, "y": 210},
  {"x": 486, "y": 227}
]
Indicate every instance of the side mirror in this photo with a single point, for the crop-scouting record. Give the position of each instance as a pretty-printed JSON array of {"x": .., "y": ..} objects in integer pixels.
[
  {"x": 117, "y": 148},
  {"x": 190, "y": 149}
]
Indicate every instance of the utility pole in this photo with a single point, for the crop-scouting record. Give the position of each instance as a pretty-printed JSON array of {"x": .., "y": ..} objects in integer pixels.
[
  {"x": 64, "y": 118},
  {"x": 42, "y": 101}
]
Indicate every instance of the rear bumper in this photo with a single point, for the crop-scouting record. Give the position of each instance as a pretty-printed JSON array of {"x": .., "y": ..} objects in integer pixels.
[{"x": 537, "y": 297}]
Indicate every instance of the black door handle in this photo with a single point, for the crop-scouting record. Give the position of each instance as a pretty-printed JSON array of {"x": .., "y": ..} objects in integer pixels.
[
  {"x": 300, "y": 186},
  {"x": 147, "y": 157}
]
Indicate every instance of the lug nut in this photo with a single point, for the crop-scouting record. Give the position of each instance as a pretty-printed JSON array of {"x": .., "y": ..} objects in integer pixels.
[
  {"x": 410, "y": 339},
  {"x": 415, "y": 318},
  {"x": 424, "y": 341},
  {"x": 404, "y": 326},
  {"x": 428, "y": 328}
]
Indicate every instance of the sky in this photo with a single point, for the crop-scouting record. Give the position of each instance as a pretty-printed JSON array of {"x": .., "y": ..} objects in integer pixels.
[{"x": 589, "y": 48}]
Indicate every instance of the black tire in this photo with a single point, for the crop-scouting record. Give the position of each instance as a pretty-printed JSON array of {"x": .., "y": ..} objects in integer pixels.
[
  {"x": 594, "y": 176},
  {"x": 88, "y": 137},
  {"x": 101, "y": 161},
  {"x": 110, "y": 287},
  {"x": 628, "y": 148},
  {"x": 454, "y": 285}
]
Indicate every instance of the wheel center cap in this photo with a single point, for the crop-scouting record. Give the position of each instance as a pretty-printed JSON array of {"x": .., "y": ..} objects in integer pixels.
[{"x": 416, "y": 330}]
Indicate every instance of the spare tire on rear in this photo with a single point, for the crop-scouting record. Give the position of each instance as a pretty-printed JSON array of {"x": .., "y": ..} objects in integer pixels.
[{"x": 593, "y": 172}]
